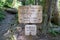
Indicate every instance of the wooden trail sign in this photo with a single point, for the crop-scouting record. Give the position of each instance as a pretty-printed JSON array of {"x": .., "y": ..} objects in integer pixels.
[{"x": 30, "y": 14}]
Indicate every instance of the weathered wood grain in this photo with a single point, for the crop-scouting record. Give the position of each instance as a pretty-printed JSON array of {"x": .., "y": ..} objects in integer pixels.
[{"x": 30, "y": 14}]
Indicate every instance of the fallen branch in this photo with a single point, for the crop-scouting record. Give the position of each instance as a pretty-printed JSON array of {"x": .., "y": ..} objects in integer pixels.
[{"x": 11, "y": 10}]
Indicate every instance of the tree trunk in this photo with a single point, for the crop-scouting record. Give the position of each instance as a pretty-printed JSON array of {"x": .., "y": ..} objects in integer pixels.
[
  {"x": 47, "y": 19},
  {"x": 56, "y": 16}
]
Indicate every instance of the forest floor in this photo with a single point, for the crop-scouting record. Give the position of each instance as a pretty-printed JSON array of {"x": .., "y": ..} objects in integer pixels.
[
  {"x": 6, "y": 24},
  {"x": 9, "y": 22}
]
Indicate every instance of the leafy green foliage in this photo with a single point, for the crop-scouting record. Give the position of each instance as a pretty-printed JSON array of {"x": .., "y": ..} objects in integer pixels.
[
  {"x": 1, "y": 3},
  {"x": 8, "y": 3},
  {"x": 29, "y": 2},
  {"x": 16, "y": 4},
  {"x": 54, "y": 33},
  {"x": 1, "y": 15}
]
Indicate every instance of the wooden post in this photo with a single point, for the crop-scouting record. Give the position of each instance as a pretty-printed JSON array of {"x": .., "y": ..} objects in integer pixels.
[{"x": 30, "y": 37}]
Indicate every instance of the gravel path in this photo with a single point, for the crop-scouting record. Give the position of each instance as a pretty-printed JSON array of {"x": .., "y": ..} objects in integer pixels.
[{"x": 6, "y": 24}]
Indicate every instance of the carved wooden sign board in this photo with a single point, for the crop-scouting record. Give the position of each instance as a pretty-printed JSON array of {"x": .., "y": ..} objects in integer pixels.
[{"x": 30, "y": 14}]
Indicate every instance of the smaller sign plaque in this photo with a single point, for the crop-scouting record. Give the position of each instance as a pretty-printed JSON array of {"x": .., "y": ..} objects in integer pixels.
[{"x": 30, "y": 30}]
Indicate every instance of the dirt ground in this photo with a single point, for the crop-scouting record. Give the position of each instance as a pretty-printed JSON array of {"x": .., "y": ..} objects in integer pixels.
[{"x": 9, "y": 20}]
